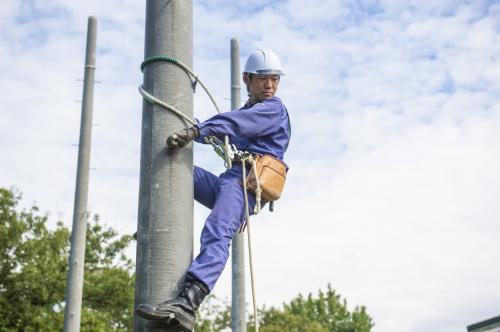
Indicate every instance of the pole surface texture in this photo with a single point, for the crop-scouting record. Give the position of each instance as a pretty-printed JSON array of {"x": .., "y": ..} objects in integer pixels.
[
  {"x": 74, "y": 290},
  {"x": 165, "y": 216},
  {"x": 238, "y": 312}
]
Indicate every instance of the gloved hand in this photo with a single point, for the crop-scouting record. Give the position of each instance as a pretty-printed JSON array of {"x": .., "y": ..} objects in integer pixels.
[{"x": 181, "y": 138}]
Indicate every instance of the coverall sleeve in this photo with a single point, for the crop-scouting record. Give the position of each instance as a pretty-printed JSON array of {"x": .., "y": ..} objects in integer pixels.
[{"x": 259, "y": 120}]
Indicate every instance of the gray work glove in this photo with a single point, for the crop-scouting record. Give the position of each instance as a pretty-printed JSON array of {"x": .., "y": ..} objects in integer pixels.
[{"x": 181, "y": 138}]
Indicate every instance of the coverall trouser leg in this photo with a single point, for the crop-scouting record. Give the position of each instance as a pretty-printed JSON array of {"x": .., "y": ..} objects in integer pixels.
[{"x": 224, "y": 195}]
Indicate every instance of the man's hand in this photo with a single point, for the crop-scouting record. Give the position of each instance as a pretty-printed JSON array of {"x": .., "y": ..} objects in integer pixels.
[{"x": 181, "y": 138}]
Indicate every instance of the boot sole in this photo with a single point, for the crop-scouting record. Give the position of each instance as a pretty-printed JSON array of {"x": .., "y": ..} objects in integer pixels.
[{"x": 170, "y": 317}]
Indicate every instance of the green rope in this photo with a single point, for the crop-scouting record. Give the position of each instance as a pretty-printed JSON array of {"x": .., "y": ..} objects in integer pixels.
[
  {"x": 173, "y": 60},
  {"x": 156, "y": 58}
]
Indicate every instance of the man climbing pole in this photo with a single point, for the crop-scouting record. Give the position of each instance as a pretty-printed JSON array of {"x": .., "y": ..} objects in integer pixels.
[{"x": 261, "y": 127}]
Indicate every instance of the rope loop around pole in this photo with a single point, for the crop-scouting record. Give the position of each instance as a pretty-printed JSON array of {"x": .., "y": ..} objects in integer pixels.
[
  {"x": 194, "y": 82},
  {"x": 155, "y": 58},
  {"x": 152, "y": 99},
  {"x": 194, "y": 78}
]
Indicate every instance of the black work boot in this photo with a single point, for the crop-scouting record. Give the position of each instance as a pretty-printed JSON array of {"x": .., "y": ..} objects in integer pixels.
[{"x": 179, "y": 310}]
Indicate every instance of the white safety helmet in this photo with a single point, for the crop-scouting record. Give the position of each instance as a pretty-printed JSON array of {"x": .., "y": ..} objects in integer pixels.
[{"x": 263, "y": 62}]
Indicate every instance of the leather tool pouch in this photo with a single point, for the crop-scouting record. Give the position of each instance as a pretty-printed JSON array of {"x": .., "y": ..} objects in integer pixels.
[{"x": 271, "y": 173}]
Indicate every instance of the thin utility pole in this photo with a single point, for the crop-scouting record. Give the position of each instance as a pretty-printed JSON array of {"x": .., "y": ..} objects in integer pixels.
[
  {"x": 74, "y": 290},
  {"x": 238, "y": 312},
  {"x": 165, "y": 216}
]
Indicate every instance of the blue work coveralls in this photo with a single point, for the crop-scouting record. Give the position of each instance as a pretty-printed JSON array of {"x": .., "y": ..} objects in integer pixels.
[{"x": 260, "y": 128}]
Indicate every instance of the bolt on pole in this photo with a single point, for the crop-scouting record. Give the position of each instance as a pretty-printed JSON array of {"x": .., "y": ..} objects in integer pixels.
[
  {"x": 165, "y": 216},
  {"x": 74, "y": 290},
  {"x": 238, "y": 312}
]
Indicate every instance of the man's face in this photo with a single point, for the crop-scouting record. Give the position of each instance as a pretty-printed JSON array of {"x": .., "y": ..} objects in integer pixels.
[{"x": 262, "y": 86}]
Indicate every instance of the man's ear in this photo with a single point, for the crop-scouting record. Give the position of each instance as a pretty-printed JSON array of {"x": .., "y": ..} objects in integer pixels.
[{"x": 246, "y": 79}]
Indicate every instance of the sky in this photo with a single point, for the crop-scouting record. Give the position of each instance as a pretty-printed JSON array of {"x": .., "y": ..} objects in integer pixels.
[{"x": 392, "y": 194}]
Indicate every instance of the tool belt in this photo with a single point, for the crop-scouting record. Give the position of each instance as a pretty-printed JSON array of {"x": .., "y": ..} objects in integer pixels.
[{"x": 270, "y": 172}]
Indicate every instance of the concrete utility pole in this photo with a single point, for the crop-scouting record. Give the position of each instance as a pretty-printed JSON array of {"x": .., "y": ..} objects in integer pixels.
[
  {"x": 165, "y": 217},
  {"x": 238, "y": 313},
  {"x": 74, "y": 289}
]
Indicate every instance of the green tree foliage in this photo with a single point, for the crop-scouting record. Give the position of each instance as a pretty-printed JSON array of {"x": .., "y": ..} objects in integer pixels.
[
  {"x": 213, "y": 315},
  {"x": 34, "y": 267},
  {"x": 325, "y": 313}
]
